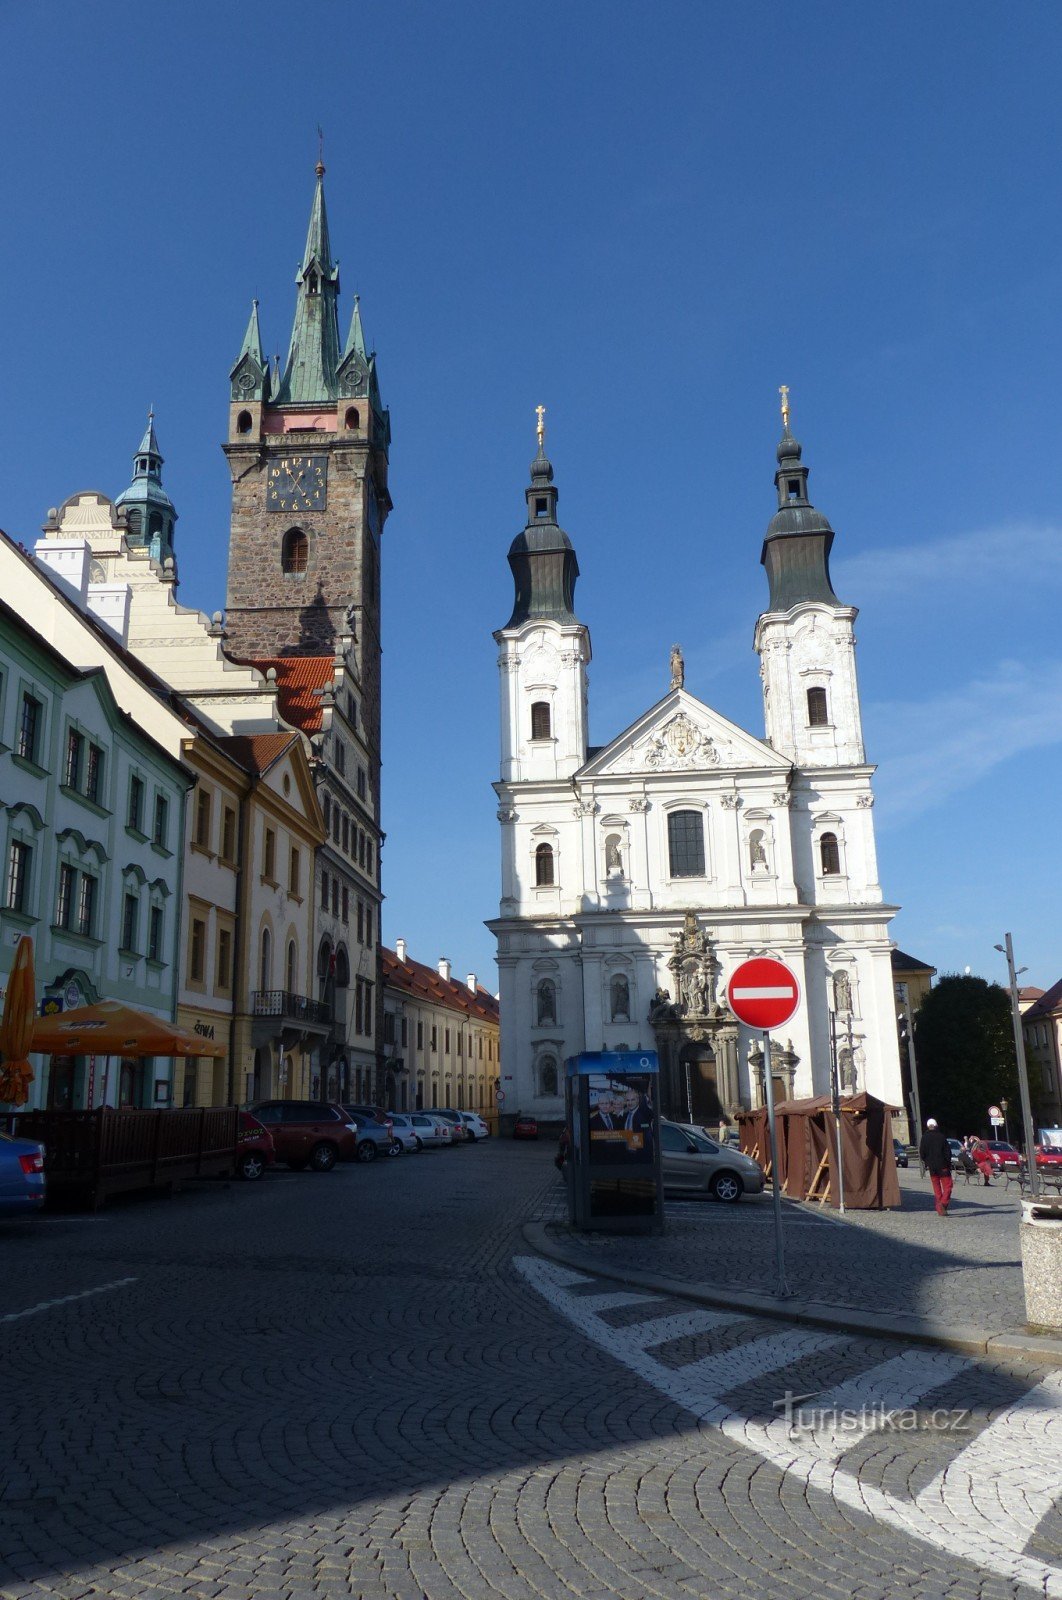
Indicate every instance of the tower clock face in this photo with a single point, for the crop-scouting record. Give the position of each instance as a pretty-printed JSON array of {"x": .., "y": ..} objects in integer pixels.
[{"x": 297, "y": 483}]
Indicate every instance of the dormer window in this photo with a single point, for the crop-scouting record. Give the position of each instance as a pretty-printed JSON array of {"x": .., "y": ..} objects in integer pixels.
[
  {"x": 542, "y": 507},
  {"x": 792, "y": 488}
]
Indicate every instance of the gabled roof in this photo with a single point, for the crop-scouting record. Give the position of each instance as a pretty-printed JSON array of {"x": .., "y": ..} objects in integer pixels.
[
  {"x": 1049, "y": 1001},
  {"x": 682, "y": 734},
  {"x": 256, "y": 752},
  {"x": 902, "y": 962},
  {"x": 424, "y": 983},
  {"x": 299, "y": 681}
]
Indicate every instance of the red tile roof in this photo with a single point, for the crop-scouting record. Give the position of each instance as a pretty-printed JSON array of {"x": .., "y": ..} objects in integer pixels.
[
  {"x": 1050, "y": 1000},
  {"x": 424, "y": 983},
  {"x": 299, "y": 678},
  {"x": 256, "y": 752}
]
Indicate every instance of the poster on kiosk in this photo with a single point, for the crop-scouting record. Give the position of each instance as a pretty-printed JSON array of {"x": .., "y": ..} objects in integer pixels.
[{"x": 613, "y": 1117}]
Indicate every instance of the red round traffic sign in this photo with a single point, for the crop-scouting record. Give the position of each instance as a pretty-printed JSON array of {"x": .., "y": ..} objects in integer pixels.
[{"x": 763, "y": 993}]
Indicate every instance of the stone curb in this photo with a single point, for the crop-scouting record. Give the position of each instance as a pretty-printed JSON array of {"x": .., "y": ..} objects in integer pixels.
[{"x": 1044, "y": 1349}]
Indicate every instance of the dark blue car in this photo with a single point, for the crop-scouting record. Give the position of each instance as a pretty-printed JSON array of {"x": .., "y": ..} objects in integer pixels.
[{"x": 21, "y": 1176}]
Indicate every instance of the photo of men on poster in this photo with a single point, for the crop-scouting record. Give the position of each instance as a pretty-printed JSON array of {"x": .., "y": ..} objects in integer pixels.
[{"x": 621, "y": 1118}]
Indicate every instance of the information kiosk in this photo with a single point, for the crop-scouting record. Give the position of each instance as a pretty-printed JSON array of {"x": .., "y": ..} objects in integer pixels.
[{"x": 613, "y": 1122}]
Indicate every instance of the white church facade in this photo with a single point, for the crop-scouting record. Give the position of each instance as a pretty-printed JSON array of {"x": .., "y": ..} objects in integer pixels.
[{"x": 637, "y": 875}]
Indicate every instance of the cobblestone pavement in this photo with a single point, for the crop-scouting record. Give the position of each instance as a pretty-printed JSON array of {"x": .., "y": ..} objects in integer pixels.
[
  {"x": 360, "y": 1384},
  {"x": 964, "y": 1269}
]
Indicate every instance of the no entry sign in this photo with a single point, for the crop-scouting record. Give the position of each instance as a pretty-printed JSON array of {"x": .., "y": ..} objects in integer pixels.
[{"x": 763, "y": 993}]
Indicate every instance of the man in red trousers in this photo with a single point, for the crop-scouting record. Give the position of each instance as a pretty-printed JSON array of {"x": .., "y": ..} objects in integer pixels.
[{"x": 935, "y": 1151}]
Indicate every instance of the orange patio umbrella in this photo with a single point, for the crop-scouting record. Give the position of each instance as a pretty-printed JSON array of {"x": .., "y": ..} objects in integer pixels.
[
  {"x": 16, "y": 1026},
  {"x": 110, "y": 1028}
]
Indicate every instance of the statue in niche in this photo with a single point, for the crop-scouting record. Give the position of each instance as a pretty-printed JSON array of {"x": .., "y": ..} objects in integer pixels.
[
  {"x": 757, "y": 850},
  {"x": 613, "y": 854},
  {"x": 842, "y": 992}
]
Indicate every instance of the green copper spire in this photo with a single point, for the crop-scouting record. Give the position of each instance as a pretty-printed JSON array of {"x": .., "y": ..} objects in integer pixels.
[
  {"x": 250, "y": 376},
  {"x": 313, "y": 356},
  {"x": 356, "y": 337},
  {"x": 150, "y": 516}
]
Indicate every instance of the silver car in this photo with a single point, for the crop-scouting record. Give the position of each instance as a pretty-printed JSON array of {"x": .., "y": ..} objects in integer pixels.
[
  {"x": 691, "y": 1163},
  {"x": 402, "y": 1128},
  {"x": 431, "y": 1132}
]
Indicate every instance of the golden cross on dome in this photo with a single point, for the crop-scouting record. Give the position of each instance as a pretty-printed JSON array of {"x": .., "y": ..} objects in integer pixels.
[
  {"x": 540, "y": 412},
  {"x": 784, "y": 392}
]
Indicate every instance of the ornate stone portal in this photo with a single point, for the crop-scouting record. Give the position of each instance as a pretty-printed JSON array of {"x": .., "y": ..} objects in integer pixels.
[{"x": 697, "y": 1039}]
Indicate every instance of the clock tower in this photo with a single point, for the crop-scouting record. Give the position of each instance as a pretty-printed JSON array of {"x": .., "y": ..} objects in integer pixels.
[{"x": 307, "y": 449}]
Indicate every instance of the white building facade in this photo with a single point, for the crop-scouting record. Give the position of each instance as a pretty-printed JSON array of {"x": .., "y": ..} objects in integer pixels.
[{"x": 637, "y": 875}]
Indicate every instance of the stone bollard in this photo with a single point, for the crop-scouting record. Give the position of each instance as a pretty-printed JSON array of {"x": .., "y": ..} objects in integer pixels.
[{"x": 1041, "y": 1260}]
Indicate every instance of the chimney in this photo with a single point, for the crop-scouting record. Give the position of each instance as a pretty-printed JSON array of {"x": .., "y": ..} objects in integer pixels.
[
  {"x": 444, "y": 969},
  {"x": 400, "y": 950},
  {"x": 109, "y": 604},
  {"x": 471, "y": 981},
  {"x": 67, "y": 562}
]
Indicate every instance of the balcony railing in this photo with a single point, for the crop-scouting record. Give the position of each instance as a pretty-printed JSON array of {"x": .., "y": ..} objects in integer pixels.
[{"x": 291, "y": 1007}]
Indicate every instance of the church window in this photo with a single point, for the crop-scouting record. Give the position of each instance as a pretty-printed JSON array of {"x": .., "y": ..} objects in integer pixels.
[
  {"x": 243, "y": 422},
  {"x": 546, "y": 1002},
  {"x": 540, "y": 720},
  {"x": 312, "y": 283},
  {"x": 352, "y": 420},
  {"x": 829, "y": 855},
  {"x": 620, "y": 999},
  {"x": 685, "y": 841},
  {"x": 295, "y": 551},
  {"x": 818, "y": 716},
  {"x": 547, "y": 1075},
  {"x": 544, "y": 866}
]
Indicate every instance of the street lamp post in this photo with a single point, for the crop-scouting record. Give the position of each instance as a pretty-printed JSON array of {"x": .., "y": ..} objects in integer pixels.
[
  {"x": 1023, "y": 1074},
  {"x": 1006, "y": 1124},
  {"x": 912, "y": 1067}
]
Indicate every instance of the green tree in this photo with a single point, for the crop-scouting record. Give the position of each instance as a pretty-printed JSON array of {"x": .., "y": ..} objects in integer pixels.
[{"x": 965, "y": 1043}]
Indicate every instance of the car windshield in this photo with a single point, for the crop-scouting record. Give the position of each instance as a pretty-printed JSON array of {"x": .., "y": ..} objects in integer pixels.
[{"x": 702, "y": 1141}]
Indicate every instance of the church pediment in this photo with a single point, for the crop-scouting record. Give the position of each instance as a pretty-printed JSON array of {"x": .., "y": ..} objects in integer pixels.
[{"x": 682, "y": 734}]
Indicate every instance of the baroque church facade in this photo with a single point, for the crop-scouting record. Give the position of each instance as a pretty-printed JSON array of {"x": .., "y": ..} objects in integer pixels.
[{"x": 638, "y": 874}]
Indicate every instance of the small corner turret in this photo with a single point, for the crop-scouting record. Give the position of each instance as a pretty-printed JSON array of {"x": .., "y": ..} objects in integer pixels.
[{"x": 149, "y": 511}]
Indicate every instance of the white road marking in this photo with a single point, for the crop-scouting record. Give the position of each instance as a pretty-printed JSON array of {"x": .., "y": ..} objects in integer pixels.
[
  {"x": 989, "y": 1531},
  {"x": 65, "y": 1300}
]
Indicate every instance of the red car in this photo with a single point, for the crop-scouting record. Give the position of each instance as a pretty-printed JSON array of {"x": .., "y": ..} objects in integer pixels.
[
  {"x": 1049, "y": 1156},
  {"x": 525, "y": 1127},
  {"x": 308, "y": 1133},
  {"x": 255, "y": 1149},
  {"x": 1003, "y": 1156}
]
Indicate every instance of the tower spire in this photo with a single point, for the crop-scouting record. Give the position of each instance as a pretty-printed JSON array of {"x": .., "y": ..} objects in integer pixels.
[
  {"x": 250, "y": 376},
  {"x": 796, "y": 546},
  {"x": 542, "y": 558},
  {"x": 313, "y": 355},
  {"x": 149, "y": 511}
]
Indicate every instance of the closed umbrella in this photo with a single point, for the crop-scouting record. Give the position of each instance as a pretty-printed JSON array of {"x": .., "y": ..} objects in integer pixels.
[
  {"x": 16, "y": 1026},
  {"x": 111, "y": 1028}
]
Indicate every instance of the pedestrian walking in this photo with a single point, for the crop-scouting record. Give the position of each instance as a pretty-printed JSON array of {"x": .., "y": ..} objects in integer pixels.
[{"x": 935, "y": 1151}]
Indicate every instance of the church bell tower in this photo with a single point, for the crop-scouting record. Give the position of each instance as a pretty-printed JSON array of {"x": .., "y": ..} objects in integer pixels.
[{"x": 307, "y": 449}]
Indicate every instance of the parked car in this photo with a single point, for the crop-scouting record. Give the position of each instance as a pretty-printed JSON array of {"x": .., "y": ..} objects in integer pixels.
[
  {"x": 313, "y": 1133},
  {"x": 21, "y": 1176},
  {"x": 255, "y": 1150},
  {"x": 1004, "y": 1156},
  {"x": 1049, "y": 1157},
  {"x": 690, "y": 1162},
  {"x": 432, "y": 1132},
  {"x": 525, "y": 1127},
  {"x": 405, "y": 1136},
  {"x": 376, "y": 1112},
  {"x": 900, "y": 1152},
  {"x": 475, "y": 1126},
  {"x": 956, "y": 1147},
  {"x": 375, "y": 1138},
  {"x": 460, "y": 1133}
]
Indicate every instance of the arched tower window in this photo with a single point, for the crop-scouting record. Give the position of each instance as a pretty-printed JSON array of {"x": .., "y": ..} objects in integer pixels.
[
  {"x": 352, "y": 420},
  {"x": 540, "y": 720},
  {"x": 620, "y": 999},
  {"x": 243, "y": 422},
  {"x": 546, "y": 1001},
  {"x": 294, "y": 552},
  {"x": 829, "y": 855},
  {"x": 544, "y": 866},
  {"x": 685, "y": 843},
  {"x": 818, "y": 712}
]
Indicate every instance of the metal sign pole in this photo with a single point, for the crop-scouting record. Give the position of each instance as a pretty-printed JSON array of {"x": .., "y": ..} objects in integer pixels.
[
  {"x": 776, "y": 1193},
  {"x": 1035, "y": 1185}
]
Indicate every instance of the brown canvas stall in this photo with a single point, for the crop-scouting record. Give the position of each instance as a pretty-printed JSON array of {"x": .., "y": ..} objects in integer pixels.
[{"x": 806, "y": 1132}]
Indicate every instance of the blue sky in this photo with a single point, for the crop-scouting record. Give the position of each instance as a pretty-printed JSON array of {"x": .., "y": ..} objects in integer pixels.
[{"x": 645, "y": 219}]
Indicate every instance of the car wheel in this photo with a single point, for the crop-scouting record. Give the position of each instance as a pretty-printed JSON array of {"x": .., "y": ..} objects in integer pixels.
[
  {"x": 396, "y": 1148},
  {"x": 420, "y": 1144},
  {"x": 727, "y": 1187},
  {"x": 366, "y": 1150},
  {"x": 323, "y": 1157},
  {"x": 251, "y": 1165}
]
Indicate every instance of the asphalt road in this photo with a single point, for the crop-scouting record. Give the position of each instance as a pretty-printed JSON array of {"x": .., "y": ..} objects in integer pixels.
[{"x": 360, "y": 1383}]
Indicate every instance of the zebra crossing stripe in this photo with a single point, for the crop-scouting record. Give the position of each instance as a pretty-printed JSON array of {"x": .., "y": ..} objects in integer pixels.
[{"x": 989, "y": 1531}]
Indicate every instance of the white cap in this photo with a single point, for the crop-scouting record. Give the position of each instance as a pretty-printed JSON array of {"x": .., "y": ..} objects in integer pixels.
[{"x": 931, "y": 1122}]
